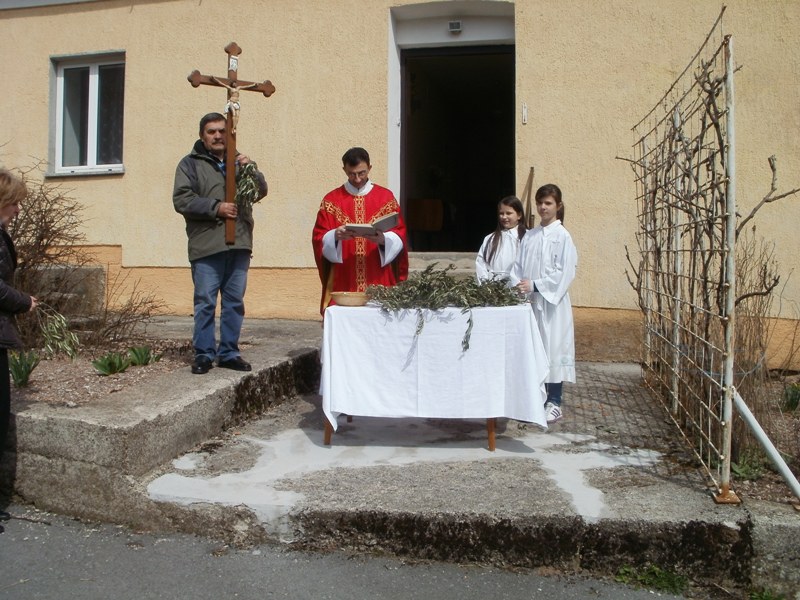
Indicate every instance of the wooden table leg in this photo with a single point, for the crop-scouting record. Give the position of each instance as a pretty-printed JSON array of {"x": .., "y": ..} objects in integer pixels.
[
  {"x": 490, "y": 427},
  {"x": 328, "y": 433}
]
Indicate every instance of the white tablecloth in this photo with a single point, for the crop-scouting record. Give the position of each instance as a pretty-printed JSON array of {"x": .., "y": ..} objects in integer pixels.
[{"x": 373, "y": 365}]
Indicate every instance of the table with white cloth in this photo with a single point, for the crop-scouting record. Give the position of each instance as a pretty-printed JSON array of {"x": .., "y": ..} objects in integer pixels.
[{"x": 375, "y": 364}]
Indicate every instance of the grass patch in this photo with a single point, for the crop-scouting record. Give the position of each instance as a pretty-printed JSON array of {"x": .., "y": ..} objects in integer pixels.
[
  {"x": 791, "y": 397},
  {"x": 765, "y": 595},
  {"x": 750, "y": 466},
  {"x": 653, "y": 577}
]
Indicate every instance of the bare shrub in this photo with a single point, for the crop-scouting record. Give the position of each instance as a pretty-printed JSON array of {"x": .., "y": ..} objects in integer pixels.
[
  {"x": 52, "y": 265},
  {"x": 48, "y": 238},
  {"x": 126, "y": 308},
  {"x": 756, "y": 278}
]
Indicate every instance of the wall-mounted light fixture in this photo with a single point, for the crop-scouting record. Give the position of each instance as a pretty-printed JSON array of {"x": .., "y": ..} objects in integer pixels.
[{"x": 454, "y": 27}]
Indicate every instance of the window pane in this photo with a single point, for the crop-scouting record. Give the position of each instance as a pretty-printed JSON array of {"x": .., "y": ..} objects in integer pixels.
[
  {"x": 75, "y": 117},
  {"x": 109, "y": 114}
]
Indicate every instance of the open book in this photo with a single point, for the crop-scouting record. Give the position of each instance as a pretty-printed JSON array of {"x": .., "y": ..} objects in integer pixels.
[{"x": 383, "y": 224}]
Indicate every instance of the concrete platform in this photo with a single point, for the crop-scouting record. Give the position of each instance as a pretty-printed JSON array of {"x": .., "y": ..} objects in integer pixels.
[{"x": 240, "y": 457}]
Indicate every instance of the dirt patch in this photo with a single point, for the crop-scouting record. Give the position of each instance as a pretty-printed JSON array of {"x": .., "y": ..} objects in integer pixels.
[{"x": 61, "y": 381}]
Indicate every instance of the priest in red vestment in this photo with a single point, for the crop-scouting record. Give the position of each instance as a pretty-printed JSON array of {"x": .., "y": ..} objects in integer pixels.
[{"x": 348, "y": 262}]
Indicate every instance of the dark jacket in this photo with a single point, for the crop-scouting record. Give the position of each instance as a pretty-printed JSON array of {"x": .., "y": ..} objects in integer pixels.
[
  {"x": 12, "y": 301},
  {"x": 199, "y": 188}
]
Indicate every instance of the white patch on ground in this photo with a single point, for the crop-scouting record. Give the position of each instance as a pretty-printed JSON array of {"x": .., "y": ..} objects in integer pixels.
[
  {"x": 294, "y": 453},
  {"x": 189, "y": 462}
]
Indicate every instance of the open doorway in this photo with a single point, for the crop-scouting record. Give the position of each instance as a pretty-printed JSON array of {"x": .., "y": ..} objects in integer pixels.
[{"x": 457, "y": 144}]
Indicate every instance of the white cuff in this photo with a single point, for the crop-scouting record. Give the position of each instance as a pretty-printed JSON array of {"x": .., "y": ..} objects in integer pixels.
[
  {"x": 392, "y": 247},
  {"x": 331, "y": 250}
]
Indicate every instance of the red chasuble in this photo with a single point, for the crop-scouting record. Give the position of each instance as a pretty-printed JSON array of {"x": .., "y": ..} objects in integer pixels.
[{"x": 361, "y": 260}]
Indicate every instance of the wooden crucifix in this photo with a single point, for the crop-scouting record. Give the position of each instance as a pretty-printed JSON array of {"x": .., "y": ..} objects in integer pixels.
[{"x": 234, "y": 85}]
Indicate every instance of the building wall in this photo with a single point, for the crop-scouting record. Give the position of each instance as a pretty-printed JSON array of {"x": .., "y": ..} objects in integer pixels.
[
  {"x": 585, "y": 70},
  {"x": 589, "y": 71}
]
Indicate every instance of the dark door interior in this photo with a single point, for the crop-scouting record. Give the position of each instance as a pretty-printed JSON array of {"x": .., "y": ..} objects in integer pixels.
[{"x": 457, "y": 143}]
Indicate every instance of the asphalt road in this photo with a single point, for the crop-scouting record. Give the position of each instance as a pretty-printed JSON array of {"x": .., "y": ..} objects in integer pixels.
[{"x": 45, "y": 556}]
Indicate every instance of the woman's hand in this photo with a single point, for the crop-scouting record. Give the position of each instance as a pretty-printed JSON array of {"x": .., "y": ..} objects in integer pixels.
[{"x": 34, "y": 303}]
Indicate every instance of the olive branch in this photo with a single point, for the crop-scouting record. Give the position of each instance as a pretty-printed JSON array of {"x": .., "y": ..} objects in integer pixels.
[
  {"x": 247, "y": 185},
  {"x": 434, "y": 289}
]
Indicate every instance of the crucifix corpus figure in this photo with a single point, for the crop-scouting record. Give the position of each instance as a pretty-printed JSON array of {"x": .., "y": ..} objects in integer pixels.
[{"x": 233, "y": 85}]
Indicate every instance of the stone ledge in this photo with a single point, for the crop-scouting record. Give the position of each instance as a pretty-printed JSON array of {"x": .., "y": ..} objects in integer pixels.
[
  {"x": 142, "y": 428},
  {"x": 704, "y": 551}
]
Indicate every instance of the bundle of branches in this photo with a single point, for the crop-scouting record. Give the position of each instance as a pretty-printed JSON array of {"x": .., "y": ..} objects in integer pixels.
[
  {"x": 247, "y": 185},
  {"x": 434, "y": 289}
]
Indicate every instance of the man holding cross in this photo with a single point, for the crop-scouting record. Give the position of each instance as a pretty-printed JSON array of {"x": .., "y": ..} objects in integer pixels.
[{"x": 218, "y": 268}]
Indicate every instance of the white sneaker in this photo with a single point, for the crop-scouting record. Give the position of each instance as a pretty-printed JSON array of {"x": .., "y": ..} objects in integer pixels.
[{"x": 552, "y": 412}]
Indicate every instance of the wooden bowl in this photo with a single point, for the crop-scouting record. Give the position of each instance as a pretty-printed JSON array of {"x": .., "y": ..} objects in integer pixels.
[{"x": 350, "y": 298}]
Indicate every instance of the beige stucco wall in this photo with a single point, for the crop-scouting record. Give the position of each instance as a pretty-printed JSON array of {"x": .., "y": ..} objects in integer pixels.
[
  {"x": 586, "y": 70},
  {"x": 589, "y": 71}
]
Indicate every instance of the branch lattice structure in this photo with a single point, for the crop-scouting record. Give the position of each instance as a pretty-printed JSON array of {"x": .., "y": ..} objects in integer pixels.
[{"x": 684, "y": 161}]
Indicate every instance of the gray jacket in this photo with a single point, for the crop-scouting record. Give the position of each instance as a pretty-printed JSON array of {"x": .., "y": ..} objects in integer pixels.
[{"x": 199, "y": 188}]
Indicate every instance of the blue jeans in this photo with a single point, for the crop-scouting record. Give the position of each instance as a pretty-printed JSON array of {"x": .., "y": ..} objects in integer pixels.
[
  {"x": 223, "y": 274},
  {"x": 554, "y": 392}
]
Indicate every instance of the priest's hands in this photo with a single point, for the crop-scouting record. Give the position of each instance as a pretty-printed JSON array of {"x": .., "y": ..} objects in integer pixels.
[
  {"x": 525, "y": 286},
  {"x": 377, "y": 238},
  {"x": 342, "y": 233}
]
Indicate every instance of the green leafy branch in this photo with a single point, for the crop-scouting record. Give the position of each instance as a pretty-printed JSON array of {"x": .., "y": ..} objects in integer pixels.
[
  {"x": 247, "y": 185},
  {"x": 57, "y": 336},
  {"x": 435, "y": 289}
]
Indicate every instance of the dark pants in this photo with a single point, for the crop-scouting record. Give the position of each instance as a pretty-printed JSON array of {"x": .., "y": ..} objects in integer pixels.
[
  {"x": 554, "y": 392},
  {"x": 5, "y": 399}
]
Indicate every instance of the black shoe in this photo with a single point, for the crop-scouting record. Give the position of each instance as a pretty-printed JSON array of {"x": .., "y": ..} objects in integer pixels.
[
  {"x": 201, "y": 365},
  {"x": 237, "y": 364},
  {"x": 4, "y": 516}
]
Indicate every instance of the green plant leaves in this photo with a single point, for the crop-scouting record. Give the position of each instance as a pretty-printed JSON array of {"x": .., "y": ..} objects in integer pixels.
[
  {"x": 56, "y": 333},
  {"x": 113, "y": 362},
  {"x": 21, "y": 365},
  {"x": 142, "y": 355},
  {"x": 118, "y": 362},
  {"x": 791, "y": 397},
  {"x": 434, "y": 289},
  {"x": 246, "y": 185},
  {"x": 653, "y": 577}
]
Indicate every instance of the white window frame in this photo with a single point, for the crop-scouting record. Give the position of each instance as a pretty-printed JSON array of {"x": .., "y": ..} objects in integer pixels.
[{"x": 93, "y": 63}]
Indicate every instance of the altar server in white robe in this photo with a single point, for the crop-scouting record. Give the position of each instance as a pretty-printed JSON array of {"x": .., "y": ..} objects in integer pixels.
[
  {"x": 498, "y": 252},
  {"x": 545, "y": 268}
]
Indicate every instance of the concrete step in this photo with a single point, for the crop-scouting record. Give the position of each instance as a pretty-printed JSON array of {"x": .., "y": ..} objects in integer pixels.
[
  {"x": 239, "y": 457},
  {"x": 419, "y": 261}
]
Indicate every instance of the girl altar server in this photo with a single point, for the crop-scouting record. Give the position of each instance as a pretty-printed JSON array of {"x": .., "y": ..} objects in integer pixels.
[
  {"x": 499, "y": 249},
  {"x": 545, "y": 267}
]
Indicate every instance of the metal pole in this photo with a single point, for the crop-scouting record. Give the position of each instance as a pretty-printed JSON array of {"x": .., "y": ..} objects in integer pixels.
[
  {"x": 646, "y": 263},
  {"x": 766, "y": 444},
  {"x": 726, "y": 495},
  {"x": 677, "y": 265}
]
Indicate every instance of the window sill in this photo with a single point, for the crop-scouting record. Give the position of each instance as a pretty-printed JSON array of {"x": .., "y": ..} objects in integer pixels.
[{"x": 86, "y": 172}]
